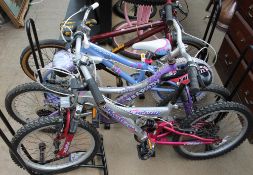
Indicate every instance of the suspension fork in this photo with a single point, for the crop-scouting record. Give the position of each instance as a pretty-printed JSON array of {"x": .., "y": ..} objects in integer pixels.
[
  {"x": 184, "y": 94},
  {"x": 65, "y": 135}
]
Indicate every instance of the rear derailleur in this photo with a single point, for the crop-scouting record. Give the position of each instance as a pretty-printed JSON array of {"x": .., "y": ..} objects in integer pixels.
[{"x": 146, "y": 149}]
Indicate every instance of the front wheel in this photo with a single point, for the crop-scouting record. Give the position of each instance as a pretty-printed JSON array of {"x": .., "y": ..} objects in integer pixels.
[
  {"x": 228, "y": 122},
  {"x": 42, "y": 144},
  {"x": 48, "y": 49}
]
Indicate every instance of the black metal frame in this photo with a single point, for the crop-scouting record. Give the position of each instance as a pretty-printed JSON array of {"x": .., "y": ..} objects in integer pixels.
[
  {"x": 243, "y": 76},
  {"x": 30, "y": 23},
  {"x": 215, "y": 14},
  {"x": 8, "y": 143},
  {"x": 92, "y": 164}
]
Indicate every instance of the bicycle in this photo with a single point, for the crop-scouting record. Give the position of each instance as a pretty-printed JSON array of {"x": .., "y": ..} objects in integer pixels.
[
  {"x": 49, "y": 47},
  {"x": 150, "y": 126},
  {"x": 14, "y": 101},
  {"x": 129, "y": 79},
  {"x": 15, "y": 104}
]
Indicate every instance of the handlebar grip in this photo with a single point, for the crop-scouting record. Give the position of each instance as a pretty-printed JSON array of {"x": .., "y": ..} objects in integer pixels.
[
  {"x": 95, "y": 5},
  {"x": 98, "y": 97},
  {"x": 193, "y": 76},
  {"x": 169, "y": 14}
]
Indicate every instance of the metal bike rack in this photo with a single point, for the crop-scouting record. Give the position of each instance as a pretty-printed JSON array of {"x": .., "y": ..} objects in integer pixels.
[
  {"x": 95, "y": 163},
  {"x": 215, "y": 14},
  {"x": 8, "y": 143},
  {"x": 92, "y": 164},
  {"x": 243, "y": 76},
  {"x": 30, "y": 23}
]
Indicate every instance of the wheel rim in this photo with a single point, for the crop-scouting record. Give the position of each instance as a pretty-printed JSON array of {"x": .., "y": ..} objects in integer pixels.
[
  {"x": 78, "y": 151},
  {"x": 28, "y": 106},
  {"x": 47, "y": 52},
  {"x": 233, "y": 120}
]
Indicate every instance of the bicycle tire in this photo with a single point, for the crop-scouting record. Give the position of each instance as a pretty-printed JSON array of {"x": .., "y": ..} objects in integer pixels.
[
  {"x": 147, "y": 2},
  {"x": 118, "y": 10},
  {"x": 26, "y": 55},
  {"x": 245, "y": 118},
  {"x": 186, "y": 40},
  {"x": 182, "y": 61},
  {"x": 20, "y": 90},
  {"x": 221, "y": 91},
  {"x": 53, "y": 122}
]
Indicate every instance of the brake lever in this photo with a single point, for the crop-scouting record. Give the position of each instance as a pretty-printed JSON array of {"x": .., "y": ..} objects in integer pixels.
[{"x": 181, "y": 10}]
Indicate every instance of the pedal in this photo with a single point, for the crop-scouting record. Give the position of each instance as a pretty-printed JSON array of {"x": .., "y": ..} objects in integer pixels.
[
  {"x": 42, "y": 148},
  {"x": 146, "y": 150}
]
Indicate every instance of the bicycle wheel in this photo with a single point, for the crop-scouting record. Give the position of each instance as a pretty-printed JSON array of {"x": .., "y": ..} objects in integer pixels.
[
  {"x": 207, "y": 95},
  {"x": 40, "y": 138},
  {"x": 48, "y": 49},
  {"x": 231, "y": 129},
  {"x": 118, "y": 9},
  {"x": 193, "y": 45},
  {"x": 30, "y": 101},
  {"x": 147, "y": 2},
  {"x": 161, "y": 97}
]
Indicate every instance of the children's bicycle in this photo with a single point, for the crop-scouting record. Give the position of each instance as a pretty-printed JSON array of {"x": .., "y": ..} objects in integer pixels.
[
  {"x": 64, "y": 140},
  {"x": 50, "y": 47}
]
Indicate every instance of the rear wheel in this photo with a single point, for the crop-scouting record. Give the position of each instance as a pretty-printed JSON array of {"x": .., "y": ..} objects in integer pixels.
[
  {"x": 231, "y": 130},
  {"x": 30, "y": 101},
  {"x": 41, "y": 140}
]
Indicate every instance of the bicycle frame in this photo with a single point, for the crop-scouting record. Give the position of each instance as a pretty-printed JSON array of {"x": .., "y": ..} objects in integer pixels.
[
  {"x": 155, "y": 27},
  {"x": 128, "y": 116},
  {"x": 106, "y": 58}
]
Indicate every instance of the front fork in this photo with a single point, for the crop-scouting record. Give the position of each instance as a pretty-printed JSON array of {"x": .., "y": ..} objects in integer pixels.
[{"x": 70, "y": 128}]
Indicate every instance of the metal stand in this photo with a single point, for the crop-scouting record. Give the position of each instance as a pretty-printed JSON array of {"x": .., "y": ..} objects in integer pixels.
[
  {"x": 215, "y": 14},
  {"x": 8, "y": 143},
  {"x": 243, "y": 76},
  {"x": 92, "y": 164},
  {"x": 30, "y": 23},
  {"x": 30, "y": 26}
]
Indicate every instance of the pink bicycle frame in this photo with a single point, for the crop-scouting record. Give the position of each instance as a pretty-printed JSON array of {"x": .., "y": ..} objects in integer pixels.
[{"x": 165, "y": 129}]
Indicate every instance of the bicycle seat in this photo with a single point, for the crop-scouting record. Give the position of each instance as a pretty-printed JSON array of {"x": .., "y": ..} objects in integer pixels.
[{"x": 158, "y": 47}]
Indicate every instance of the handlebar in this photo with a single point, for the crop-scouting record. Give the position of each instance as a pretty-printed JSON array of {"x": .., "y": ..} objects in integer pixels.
[
  {"x": 93, "y": 87},
  {"x": 193, "y": 76},
  {"x": 87, "y": 12},
  {"x": 192, "y": 67},
  {"x": 169, "y": 13}
]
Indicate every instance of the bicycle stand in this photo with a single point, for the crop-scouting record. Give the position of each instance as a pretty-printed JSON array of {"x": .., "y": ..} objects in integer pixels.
[
  {"x": 95, "y": 163},
  {"x": 215, "y": 14},
  {"x": 213, "y": 19},
  {"x": 242, "y": 78}
]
